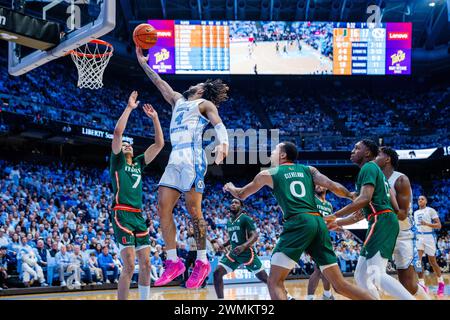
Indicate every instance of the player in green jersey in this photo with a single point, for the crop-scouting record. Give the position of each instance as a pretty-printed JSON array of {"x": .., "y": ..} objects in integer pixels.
[
  {"x": 379, "y": 205},
  {"x": 304, "y": 228},
  {"x": 130, "y": 228},
  {"x": 325, "y": 209},
  {"x": 242, "y": 236}
]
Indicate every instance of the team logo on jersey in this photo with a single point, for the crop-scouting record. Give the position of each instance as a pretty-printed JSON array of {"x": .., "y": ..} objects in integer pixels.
[
  {"x": 124, "y": 240},
  {"x": 200, "y": 184}
]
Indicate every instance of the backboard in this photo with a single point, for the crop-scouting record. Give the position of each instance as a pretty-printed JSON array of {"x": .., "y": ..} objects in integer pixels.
[{"x": 81, "y": 21}]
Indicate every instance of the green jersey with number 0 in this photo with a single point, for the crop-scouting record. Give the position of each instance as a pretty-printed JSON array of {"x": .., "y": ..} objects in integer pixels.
[
  {"x": 239, "y": 229},
  {"x": 293, "y": 187},
  {"x": 127, "y": 180},
  {"x": 371, "y": 173}
]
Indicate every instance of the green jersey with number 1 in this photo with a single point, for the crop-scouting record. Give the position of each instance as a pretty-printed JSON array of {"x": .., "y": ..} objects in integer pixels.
[
  {"x": 371, "y": 173},
  {"x": 127, "y": 180},
  {"x": 293, "y": 187}
]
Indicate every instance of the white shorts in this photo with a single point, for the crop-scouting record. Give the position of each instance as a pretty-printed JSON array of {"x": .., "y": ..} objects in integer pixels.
[
  {"x": 427, "y": 244},
  {"x": 186, "y": 169},
  {"x": 405, "y": 254}
]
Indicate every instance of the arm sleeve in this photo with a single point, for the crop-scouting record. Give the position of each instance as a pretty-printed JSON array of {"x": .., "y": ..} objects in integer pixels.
[{"x": 368, "y": 175}]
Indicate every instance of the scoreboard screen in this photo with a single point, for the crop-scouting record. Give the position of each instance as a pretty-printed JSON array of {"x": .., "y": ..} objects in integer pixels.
[
  {"x": 279, "y": 47},
  {"x": 359, "y": 48}
]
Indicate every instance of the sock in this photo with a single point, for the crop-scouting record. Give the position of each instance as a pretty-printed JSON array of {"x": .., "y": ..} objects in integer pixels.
[
  {"x": 201, "y": 255},
  {"x": 172, "y": 254},
  {"x": 441, "y": 279},
  {"x": 327, "y": 293},
  {"x": 421, "y": 294},
  {"x": 144, "y": 292},
  {"x": 310, "y": 297},
  {"x": 385, "y": 282}
]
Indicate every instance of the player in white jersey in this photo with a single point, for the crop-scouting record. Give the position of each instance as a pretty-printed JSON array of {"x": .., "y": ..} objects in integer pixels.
[
  {"x": 426, "y": 220},
  {"x": 405, "y": 253},
  {"x": 192, "y": 112}
]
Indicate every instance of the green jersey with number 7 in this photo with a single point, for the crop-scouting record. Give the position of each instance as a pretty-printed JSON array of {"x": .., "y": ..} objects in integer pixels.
[
  {"x": 293, "y": 187},
  {"x": 127, "y": 180}
]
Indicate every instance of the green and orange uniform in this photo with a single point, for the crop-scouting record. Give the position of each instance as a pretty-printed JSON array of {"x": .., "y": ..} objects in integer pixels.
[
  {"x": 238, "y": 232},
  {"x": 383, "y": 222},
  {"x": 130, "y": 228},
  {"x": 304, "y": 228}
]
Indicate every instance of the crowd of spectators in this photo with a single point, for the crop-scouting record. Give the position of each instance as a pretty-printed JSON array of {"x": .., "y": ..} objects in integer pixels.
[
  {"x": 404, "y": 119},
  {"x": 54, "y": 222}
]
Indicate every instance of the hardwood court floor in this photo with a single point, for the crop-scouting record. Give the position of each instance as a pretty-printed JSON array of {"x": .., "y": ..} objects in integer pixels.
[{"x": 254, "y": 291}]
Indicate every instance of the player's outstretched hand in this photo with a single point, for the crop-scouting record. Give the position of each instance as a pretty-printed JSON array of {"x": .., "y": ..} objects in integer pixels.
[
  {"x": 228, "y": 187},
  {"x": 221, "y": 152},
  {"x": 332, "y": 226},
  {"x": 140, "y": 56},
  {"x": 132, "y": 103},
  {"x": 150, "y": 111}
]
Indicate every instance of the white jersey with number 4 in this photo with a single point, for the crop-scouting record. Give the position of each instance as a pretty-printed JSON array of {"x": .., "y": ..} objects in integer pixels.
[
  {"x": 187, "y": 163},
  {"x": 407, "y": 225}
]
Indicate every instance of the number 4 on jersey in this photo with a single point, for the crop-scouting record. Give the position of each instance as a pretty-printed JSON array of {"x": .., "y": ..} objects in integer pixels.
[{"x": 179, "y": 119}]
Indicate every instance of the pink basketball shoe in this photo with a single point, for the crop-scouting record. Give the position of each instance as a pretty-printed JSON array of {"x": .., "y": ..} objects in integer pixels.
[
  {"x": 199, "y": 274},
  {"x": 441, "y": 287},
  {"x": 172, "y": 270}
]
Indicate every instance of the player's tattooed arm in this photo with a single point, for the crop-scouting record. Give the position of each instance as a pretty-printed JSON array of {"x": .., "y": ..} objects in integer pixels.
[
  {"x": 336, "y": 225},
  {"x": 166, "y": 90},
  {"x": 199, "y": 225},
  {"x": 335, "y": 187},
  {"x": 363, "y": 200},
  {"x": 122, "y": 122},
  {"x": 264, "y": 178}
]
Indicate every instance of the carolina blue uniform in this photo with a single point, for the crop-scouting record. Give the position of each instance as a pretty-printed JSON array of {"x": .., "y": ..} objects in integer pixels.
[{"x": 187, "y": 163}]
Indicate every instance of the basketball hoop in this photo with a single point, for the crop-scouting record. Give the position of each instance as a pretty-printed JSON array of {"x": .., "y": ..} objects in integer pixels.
[{"x": 91, "y": 60}]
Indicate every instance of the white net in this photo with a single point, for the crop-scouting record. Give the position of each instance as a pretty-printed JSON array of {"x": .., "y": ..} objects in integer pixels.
[{"x": 91, "y": 60}]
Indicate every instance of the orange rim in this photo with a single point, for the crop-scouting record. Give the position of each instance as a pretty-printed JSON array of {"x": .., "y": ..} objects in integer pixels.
[{"x": 96, "y": 56}]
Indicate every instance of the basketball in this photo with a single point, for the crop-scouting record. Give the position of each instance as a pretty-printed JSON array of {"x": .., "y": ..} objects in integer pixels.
[{"x": 145, "y": 36}]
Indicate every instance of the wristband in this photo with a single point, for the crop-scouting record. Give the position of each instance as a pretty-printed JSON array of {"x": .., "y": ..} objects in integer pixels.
[{"x": 222, "y": 134}]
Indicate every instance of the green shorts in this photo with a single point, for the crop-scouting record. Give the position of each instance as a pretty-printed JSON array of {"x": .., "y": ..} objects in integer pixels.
[
  {"x": 247, "y": 258},
  {"x": 130, "y": 229},
  {"x": 381, "y": 236},
  {"x": 306, "y": 233}
]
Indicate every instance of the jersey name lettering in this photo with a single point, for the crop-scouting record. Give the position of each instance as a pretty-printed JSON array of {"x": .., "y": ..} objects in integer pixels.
[
  {"x": 291, "y": 175},
  {"x": 131, "y": 169}
]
